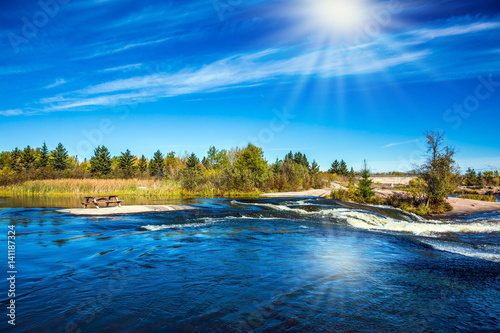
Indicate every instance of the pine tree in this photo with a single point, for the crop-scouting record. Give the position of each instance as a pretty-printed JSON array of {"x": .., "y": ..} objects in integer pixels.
[
  {"x": 365, "y": 183},
  {"x": 470, "y": 177},
  {"x": 191, "y": 174},
  {"x": 43, "y": 157},
  {"x": 15, "y": 160},
  {"x": 335, "y": 168},
  {"x": 480, "y": 179},
  {"x": 343, "y": 169},
  {"x": 59, "y": 158},
  {"x": 157, "y": 165},
  {"x": 314, "y": 167},
  {"x": 126, "y": 163},
  {"x": 142, "y": 164},
  {"x": 352, "y": 174},
  {"x": 100, "y": 163},
  {"x": 28, "y": 158}
]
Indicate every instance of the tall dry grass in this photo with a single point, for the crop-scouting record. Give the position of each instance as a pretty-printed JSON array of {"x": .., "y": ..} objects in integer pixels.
[{"x": 142, "y": 188}]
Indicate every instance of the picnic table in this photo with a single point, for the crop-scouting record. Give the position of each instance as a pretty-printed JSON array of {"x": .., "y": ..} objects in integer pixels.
[{"x": 108, "y": 199}]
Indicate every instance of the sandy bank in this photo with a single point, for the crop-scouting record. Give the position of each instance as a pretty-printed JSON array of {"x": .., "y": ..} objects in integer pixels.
[
  {"x": 468, "y": 206},
  {"x": 309, "y": 193},
  {"x": 125, "y": 209}
]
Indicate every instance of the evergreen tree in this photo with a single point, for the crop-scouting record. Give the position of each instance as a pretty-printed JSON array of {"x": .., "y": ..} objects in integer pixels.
[
  {"x": 157, "y": 165},
  {"x": 365, "y": 183},
  {"x": 288, "y": 156},
  {"x": 28, "y": 158},
  {"x": 276, "y": 167},
  {"x": 352, "y": 174},
  {"x": 335, "y": 168},
  {"x": 15, "y": 160},
  {"x": 470, "y": 177},
  {"x": 343, "y": 169},
  {"x": 60, "y": 158},
  {"x": 126, "y": 163},
  {"x": 43, "y": 157},
  {"x": 314, "y": 167},
  {"x": 142, "y": 164},
  {"x": 480, "y": 180},
  {"x": 191, "y": 174},
  {"x": 100, "y": 163}
]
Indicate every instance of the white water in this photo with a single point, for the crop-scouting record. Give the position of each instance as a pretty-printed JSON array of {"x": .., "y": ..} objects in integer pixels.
[{"x": 486, "y": 252}]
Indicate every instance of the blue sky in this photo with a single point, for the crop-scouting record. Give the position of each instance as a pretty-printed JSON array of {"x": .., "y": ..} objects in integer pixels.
[{"x": 335, "y": 79}]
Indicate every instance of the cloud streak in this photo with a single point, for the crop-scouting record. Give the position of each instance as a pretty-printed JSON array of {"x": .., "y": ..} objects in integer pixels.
[{"x": 400, "y": 143}]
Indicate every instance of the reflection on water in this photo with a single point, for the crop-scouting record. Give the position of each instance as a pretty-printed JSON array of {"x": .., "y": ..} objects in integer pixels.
[
  {"x": 295, "y": 265},
  {"x": 76, "y": 202}
]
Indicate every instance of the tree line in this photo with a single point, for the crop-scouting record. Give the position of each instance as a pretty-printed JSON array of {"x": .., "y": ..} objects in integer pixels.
[{"x": 240, "y": 169}]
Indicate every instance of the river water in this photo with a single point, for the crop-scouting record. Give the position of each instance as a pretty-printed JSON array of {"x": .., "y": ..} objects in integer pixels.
[{"x": 261, "y": 265}]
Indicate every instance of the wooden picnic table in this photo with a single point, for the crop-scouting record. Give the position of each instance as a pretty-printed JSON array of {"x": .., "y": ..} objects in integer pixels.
[{"x": 108, "y": 199}]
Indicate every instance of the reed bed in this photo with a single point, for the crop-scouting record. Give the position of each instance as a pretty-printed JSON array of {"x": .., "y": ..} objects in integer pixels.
[{"x": 141, "y": 188}]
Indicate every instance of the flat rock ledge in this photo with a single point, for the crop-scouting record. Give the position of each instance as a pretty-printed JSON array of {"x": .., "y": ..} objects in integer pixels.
[{"x": 115, "y": 210}]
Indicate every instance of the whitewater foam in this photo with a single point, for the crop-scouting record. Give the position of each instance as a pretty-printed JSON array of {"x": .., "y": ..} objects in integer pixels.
[
  {"x": 412, "y": 224},
  {"x": 485, "y": 252}
]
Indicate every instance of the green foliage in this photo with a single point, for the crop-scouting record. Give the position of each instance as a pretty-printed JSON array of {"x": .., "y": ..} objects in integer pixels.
[
  {"x": 142, "y": 165},
  {"x": 15, "y": 160},
  {"x": 486, "y": 178},
  {"x": 126, "y": 163},
  {"x": 314, "y": 167},
  {"x": 339, "y": 168},
  {"x": 157, "y": 165},
  {"x": 100, "y": 163},
  {"x": 59, "y": 158},
  {"x": 250, "y": 168},
  {"x": 43, "y": 159},
  {"x": 440, "y": 172},
  {"x": 28, "y": 158},
  {"x": 191, "y": 175},
  {"x": 365, "y": 188},
  {"x": 478, "y": 197}
]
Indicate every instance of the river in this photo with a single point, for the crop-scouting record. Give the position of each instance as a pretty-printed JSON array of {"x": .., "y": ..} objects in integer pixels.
[{"x": 260, "y": 265}]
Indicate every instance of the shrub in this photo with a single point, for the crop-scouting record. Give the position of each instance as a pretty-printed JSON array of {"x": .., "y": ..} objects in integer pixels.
[{"x": 478, "y": 197}]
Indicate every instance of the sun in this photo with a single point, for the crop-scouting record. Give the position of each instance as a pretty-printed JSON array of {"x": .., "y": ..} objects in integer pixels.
[{"x": 334, "y": 17}]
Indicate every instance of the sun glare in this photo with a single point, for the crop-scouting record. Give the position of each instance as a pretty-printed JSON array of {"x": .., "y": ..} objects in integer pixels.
[{"x": 336, "y": 17}]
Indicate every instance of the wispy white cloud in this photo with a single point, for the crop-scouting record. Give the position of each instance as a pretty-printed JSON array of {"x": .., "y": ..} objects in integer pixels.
[
  {"x": 400, "y": 143},
  {"x": 420, "y": 36},
  {"x": 235, "y": 71},
  {"x": 122, "y": 68},
  {"x": 55, "y": 84},
  {"x": 252, "y": 69},
  {"x": 12, "y": 112}
]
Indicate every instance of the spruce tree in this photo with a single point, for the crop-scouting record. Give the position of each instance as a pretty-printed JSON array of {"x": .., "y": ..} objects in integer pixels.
[
  {"x": 100, "y": 163},
  {"x": 191, "y": 175},
  {"x": 314, "y": 167},
  {"x": 60, "y": 158},
  {"x": 28, "y": 158},
  {"x": 343, "y": 169},
  {"x": 157, "y": 165},
  {"x": 335, "y": 167},
  {"x": 365, "y": 183},
  {"x": 15, "y": 160},
  {"x": 126, "y": 164},
  {"x": 142, "y": 164},
  {"x": 43, "y": 157}
]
